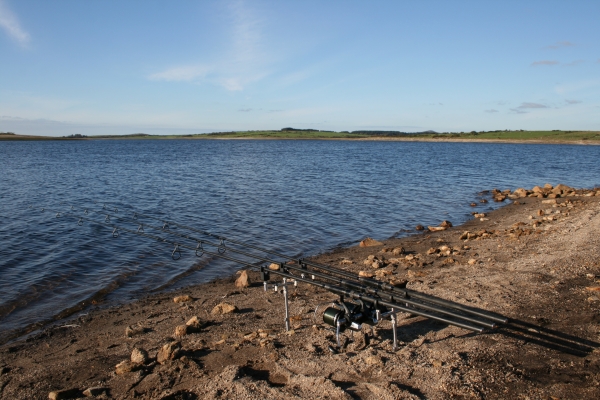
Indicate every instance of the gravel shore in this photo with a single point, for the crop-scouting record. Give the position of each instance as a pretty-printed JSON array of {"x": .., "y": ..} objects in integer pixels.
[{"x": 535, "y": 261}]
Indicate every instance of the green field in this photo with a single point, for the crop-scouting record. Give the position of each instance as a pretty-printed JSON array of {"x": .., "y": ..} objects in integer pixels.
[{"x": 554, "y": 136}]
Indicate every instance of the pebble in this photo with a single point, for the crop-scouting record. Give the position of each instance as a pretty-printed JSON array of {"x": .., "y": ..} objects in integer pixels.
[
  {"x": 224, "y": 308},
  {"x": 139, "y": 356},
  {"x": 182, "y": 299},
  {"x": 95, "y": 391},
  {"x": 64, "y": 394}
]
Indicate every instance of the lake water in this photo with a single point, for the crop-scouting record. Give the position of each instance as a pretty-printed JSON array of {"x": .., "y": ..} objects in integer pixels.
[{"x": 297, "y": 197}]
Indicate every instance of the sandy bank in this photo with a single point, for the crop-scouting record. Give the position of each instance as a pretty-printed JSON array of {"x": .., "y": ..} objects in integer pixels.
[{"x": 538, "y": 264}]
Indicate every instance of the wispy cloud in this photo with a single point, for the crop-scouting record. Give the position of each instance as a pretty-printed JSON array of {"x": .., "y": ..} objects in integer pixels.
[
  {"x": 531, "y": 105},
  {"x": 574, "y": 63},
  {"x": 573, "y": 101},
  {"x": 240, "y": 64},
  {"x": 245, "y": 110},
  {"x": 558, "y": 45},
  {"x": 184, "y": 73},
  {"x": 518, "y": 111},
  {"x": 11, "y": 25},
  {"x": 491, "y": 111},
  {"x": 544, "y": 62}
]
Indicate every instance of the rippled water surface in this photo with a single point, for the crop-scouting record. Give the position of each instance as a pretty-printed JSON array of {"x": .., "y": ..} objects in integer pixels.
[{"x": 297, "y": 197}]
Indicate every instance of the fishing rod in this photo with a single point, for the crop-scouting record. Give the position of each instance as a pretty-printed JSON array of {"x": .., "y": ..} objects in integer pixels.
[
  {"x": 306, "y": 263},
  {"x": 361, "y": 301}
]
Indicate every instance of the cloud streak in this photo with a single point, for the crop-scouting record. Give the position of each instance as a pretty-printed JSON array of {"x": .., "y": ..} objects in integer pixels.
[
  {"x": 544, "y": 62},
  {"x": 531, "y": 105},
  {"x": 558, "y": 45},
  {"x": 491, "y": 111},
  {"x": 10, "y": 24},
  {"x": 241, "y": 64}
]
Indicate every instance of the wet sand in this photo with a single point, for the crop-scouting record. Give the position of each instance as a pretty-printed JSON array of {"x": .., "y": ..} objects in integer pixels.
[{"x": 535, "y": 261}]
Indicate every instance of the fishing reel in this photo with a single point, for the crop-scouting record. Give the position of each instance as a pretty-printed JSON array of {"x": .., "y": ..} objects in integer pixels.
[{"x": 343, "y": 315}]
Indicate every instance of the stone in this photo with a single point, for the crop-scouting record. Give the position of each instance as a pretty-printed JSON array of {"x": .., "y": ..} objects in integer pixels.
[
  {"x": 553, "y": 196},
  {"x": 473, "y": 204},
  {"x": 182, "y": 299},
  {"x": 194, "y": 324},
  {"x": 446, "y": 224},
  {"x": 419, "y": 227},
  {"x": 540, "y": 213},
  {"x": 520, "y": 192},
  {"x": 274, "y": 267},
  {"x": 132, "y": 331},
  {"x": 377, "y": 264},
  {"x": 243, "y": 281},
  {"x": 552, "y": 201},
  {"x": 139, "y": 356},
  {"x": 443, "y": 248},
  {"x": 480, "y": 215},
  {"x": 464, "y": 236},
  {"x": 95, "y": 391},
  {"x": 472, "y": 261},
  {"x": 64, "y": 394},
  {"x": 181, "y": 331},
  {"x": 124, "y": 367},
  {"x": 415, "y": 274},
  {"x": 346, "y": 261},
  {"x": 537, "y": 189},
  {"x": 409, "y": 257},
  {"x": 399, "y": 283},
  {"x": 365, "y": 274},
  {"x": 224, "y": 308},
  {"x": 398, "y": 251},
  {"x": 433, "y": 250},
  {"x": 169, "y": 351},
  {"x": 436, "y": 228},
  {"x": 483, "y": 201},
  {"x": 368, "y": 242},
  {"x": 373, "y": 360},
  {"x": 593, "y": 288},
  {"x": 548, "y": 186}
]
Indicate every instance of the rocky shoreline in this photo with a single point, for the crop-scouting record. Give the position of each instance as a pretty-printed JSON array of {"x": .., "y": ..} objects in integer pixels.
[{"x": 535, "y": 261}]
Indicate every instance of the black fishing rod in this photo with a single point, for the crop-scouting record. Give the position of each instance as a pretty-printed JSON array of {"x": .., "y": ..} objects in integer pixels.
[
  {"x": 302, "y": 262},
  {"x": 360, "y": 301}
]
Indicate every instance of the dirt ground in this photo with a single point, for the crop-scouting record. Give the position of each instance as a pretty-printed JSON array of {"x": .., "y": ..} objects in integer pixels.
[{"x": 535, "y": 262}]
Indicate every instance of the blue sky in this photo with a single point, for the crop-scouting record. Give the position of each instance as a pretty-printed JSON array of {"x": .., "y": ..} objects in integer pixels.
[{"x": 120, "y": 67}]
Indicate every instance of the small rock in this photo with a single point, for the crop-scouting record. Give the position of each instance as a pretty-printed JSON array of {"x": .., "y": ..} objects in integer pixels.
[
  {"x": 368, "y": 242},
  {"x": 464, "y": 235},
  {"x": 365, "y": 274},
  {"x": 473, "y": 204},
  {"x": 446, "y": 224},
  {"x": 64, "y": 394},
  {"x": 346, "y": 261},
  {"x": 194, "y": 324},
  {"x": 291, "y": 332},
  {"x": 593, "y": 288},
  {"x": 409, "y": 257},
  {"x": 181, "y": 331},
  {"x": 377, "y": 264},
  {"x": 437, "y": 363},
  {"x": 224, "y": 308},
  {"x": 242, "y": 281},
  {"x": 399, "y": 283},
  {"x": 398, "y": 251},
  {"x": 373, "y": 360},
  {"x": 124, "y": 367},
  {"x": 182, "y": 299},
  {"x": 483, "y": 201},
  {"x": 95, "y": 391},
  {"x": 436, "y": 228},
  {"x": 139, "y": 356},
  {"x": 251, "y": 336},
  {"x": 169, "y": 351},
  {"x": 479, "y": 215},
  {"x": 132, "y": 331},
  {"x": 432, "y": 250},
  {"x": 472, "y": 261},
  {"x": 419, "y": 228},
  {"x": 274, "y": 267}
]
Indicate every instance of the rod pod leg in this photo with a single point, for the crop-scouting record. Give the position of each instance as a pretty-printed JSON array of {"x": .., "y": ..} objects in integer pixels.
[
  {"x": 394, "y": 328},
  {"x": 287, "y": 312}
]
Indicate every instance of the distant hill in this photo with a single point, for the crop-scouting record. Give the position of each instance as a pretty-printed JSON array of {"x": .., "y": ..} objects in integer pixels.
[{"x": 393, "y": 133}]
